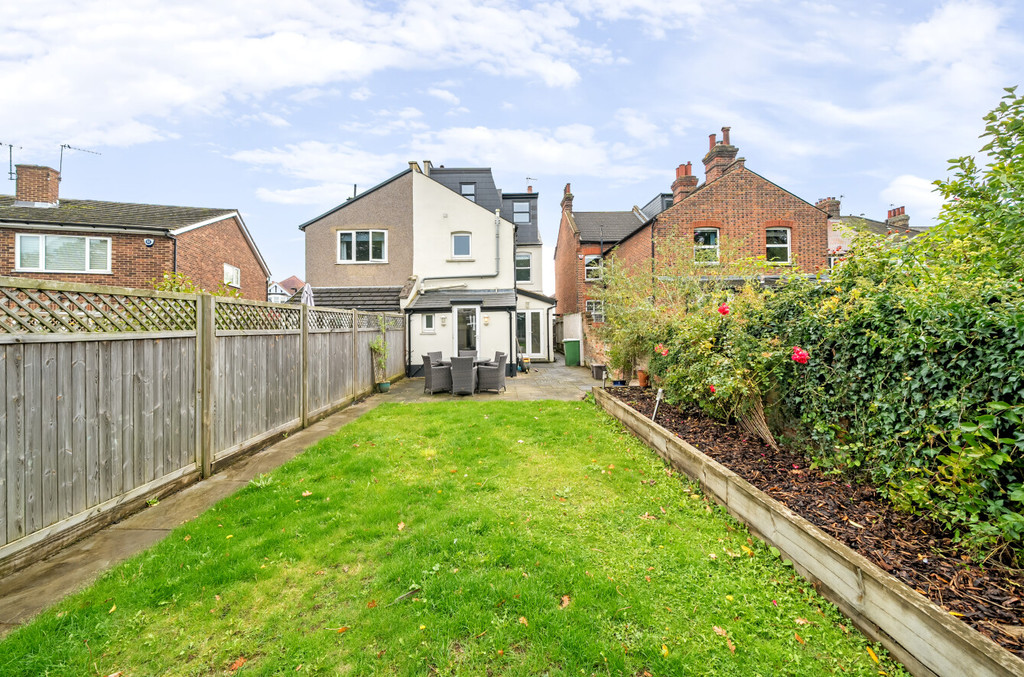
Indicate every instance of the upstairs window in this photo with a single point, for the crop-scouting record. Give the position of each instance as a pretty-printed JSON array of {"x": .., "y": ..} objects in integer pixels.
[
  {"x": 777, "y": 245},
  {"x": 592, "y": 268},
  {"x": 362, "y": 246},
  {"x": 520, "y": 212},
  {"x": 468, "y": 191},
  {"x": 232, "y": 275},
  {"x": 462, "y": 245},
  {"x": 523, "y": 266},
  {"x": 63, "y": 253},
  {"x": 596, "y": 310},
  {"x": 705, "y": 246}
]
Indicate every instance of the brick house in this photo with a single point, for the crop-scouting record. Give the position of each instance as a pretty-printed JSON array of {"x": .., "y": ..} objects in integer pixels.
[
  {"x": 735, "y": 207},
  {"x": 582, "y": 239},
  {"x": 842, "y": 228},
  {"x": 122, "y": 244}
]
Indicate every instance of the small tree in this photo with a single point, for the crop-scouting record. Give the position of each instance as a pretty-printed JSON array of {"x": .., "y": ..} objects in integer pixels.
[
  {"x": 379, "y": 350},
  {"x": 180, "y": 282}
]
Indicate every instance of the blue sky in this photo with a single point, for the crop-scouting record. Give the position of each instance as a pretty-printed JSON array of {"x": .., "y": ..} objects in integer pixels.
[{"x": 278, "y": 108}]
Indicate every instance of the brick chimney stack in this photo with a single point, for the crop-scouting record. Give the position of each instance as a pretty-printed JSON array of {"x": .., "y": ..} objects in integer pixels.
[
  {"x": 720, "y": 155},
  {"x": 37, "y": 186},
  {"x": 685, "y": 182},
  {"x": 567, "y": 199},
  {"x": 898, "y": 218},
  {"x": 529, "y": 189},
  {"x": 830, "y": 206}
]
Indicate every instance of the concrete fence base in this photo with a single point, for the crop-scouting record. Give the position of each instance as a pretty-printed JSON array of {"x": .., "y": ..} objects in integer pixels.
[{"x": 918, "y": 633}]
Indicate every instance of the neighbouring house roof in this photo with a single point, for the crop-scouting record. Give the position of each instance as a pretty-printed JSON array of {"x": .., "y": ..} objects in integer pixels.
[
  {"x": 377, "y": 299},
  {"x": 357, "y": 197},
  {"x": 444, "y": 299},
  {"x": 607, "y": 227},
  {"x": 292, "y": 284},
  {"x": 111, "y": 214},
  {"x": 873, "y": 226},
  {"x": 122, "y": 215},
  {"x": 536, "y": 295}
]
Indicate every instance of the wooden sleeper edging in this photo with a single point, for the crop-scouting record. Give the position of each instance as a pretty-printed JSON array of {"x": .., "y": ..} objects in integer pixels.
[{"x": 921, "y": 635}]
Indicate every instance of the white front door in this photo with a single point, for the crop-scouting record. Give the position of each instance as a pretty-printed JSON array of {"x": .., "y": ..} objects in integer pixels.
[
  {"x": 530, "y": 333},
  {"x": 467, "y": 328}
]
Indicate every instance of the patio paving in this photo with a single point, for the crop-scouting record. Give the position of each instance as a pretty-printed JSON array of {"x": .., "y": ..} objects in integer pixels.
[{"x": 33, "y": 589}]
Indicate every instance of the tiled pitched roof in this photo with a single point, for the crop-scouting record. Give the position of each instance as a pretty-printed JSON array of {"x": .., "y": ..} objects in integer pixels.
[
  {"x": 607, "y": 227},
  {"x": 117, "y": 214},
  {"x": 876, "y": 227},
  {"x": 291, "y": 284},
  {"x": 444, "y": 299},
  {"x": 377, "y": 299}
]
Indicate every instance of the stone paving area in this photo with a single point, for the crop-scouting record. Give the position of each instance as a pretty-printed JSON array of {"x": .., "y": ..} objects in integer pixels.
[{"x": 29, "y": 591}]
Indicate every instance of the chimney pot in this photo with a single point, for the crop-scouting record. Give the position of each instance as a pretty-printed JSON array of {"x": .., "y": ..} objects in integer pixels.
[
  {"x": 529, "y": 189},
  {"x": 711, "y": 141},
  {"x": 725, "y": 135}
]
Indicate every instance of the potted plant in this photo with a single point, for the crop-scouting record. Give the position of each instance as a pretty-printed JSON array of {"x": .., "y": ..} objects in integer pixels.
[
  {"x": 622, "y": 358},
  {"x": 379, "y": 350}
]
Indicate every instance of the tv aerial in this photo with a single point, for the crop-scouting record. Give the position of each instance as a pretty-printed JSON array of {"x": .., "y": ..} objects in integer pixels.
[{"x": 60, "y": 167}]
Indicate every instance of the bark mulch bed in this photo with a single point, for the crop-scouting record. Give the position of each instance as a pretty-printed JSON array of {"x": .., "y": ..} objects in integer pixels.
[{"x": 911, "y": 548}]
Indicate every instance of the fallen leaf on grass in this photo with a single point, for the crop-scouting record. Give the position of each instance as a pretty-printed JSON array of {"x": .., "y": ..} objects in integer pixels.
[
  {"x": 401, "y": 525},
  {"x": 713, "y": 556},
  {"x": 371, "y": 604},
  {"x": 307, "y": 493},
  {"x": 648, "y": 516},
  {"x": 523, "y": 621},
  {"x": 721, "y": 632},
  {"x": 188, "y": 537},
  {"x": 802, "y": 621},
  {"x": 237, "y": 664},
  {"x": 342, "y": 629},
  {"x": 728, "y": 643},
  {"x": 112, "y": 609},
  {"x": 565, "y": 601},
  {"x": 115, "y": 674},
  {"x": 872, "y": 654},
  {"x": 799, "y": 638},
  {"x": 664, "y": 650}
]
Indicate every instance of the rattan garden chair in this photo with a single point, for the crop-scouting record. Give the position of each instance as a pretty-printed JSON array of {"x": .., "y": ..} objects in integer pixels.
[
  {"x": 467, "y": 353},
  {"x": 492, "y": 377},
  {"x": 436, "y": 378},
  {"x": 435, "y": 357},
  {"x": 463, "y": 376}
]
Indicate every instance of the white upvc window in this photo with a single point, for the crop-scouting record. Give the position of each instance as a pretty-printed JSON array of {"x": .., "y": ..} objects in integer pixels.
[
  {"x": 777, "y": 244},
  {"x": 524, "y": 265},
  {"x": 520, "y": 212},
  {"x": 462, "y": 245},
  {"x": 62, "y": 253},
  {"x": 428, "y": 324},
  {"x": 592, "y": 267},
  {"x": 705, "y": 246},
  {"x": 362, "y": 246},
  {"x": 468, "y": 191},
  {"x": 596, "y": 310},
  {"x": 232, "y": 275}
]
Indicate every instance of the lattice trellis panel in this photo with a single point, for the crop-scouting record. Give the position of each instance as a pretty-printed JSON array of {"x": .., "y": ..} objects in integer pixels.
[
  {"x": 26, "y": 310},
  {"x": 394, "y": 322},
  {"x": 368, "y": 321},
  {"x": 247, "y": 317},
  {"x": 329, "y": 319}
]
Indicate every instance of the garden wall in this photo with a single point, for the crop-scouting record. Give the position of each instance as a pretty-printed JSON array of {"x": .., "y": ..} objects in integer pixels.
[
  {"x": 917, "y": 632},
  {"x": 110, "y": 397}
]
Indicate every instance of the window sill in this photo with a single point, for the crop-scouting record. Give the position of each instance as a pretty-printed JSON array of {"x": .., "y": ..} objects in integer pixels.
[
  {"x": 460, "y": 259},
  {"x": 64, "y": 272},
  {"x": 359, "y": 263}
]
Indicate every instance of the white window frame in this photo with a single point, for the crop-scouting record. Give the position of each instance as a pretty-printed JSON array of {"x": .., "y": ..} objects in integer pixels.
[
  {"x": 788, "y": 245},
  {"x": 596, "y": 310},
  {"x": 354, "y": 234},
  {"x": 587, "y": 268},
  {"x": 468, "y": 236},
  {"x": 834, "y": 259},
  {"x": 520, "y": 209},
  {"x": 471, "y": 193},
  {"x": 706, "y": 247},
  {"x": 528, "y": 257},
  {"x": 232, "y": 276},
  {"x": 427, "y": 324},
  {"x": 41, "y": 268}
]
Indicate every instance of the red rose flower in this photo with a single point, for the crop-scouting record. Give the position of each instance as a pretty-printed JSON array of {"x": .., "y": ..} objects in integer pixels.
[
  {"x": 712, "y": 389},
  {"x": 800, "y": 356},
  {"x": 724, "y": 309}
]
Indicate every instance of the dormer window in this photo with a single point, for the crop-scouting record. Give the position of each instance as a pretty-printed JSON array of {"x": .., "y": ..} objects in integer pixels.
[
  {"x": 520, "y": 212},
  {"x": 468, "y": 191}
]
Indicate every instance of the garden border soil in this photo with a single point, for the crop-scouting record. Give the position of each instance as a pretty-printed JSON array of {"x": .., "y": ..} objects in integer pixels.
[{"x": 918, "y": 633}]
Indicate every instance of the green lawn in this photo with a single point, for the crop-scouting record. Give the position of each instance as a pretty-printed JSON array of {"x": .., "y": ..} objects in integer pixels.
[{"x": 513, "y": 538}]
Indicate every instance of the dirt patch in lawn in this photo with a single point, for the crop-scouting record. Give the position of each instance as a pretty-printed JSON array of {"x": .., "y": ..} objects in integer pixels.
[{"x": 911, "y": 548}]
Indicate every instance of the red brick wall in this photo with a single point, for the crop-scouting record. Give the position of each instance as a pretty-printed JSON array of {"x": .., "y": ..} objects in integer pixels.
[
  {"x": 566, "y": 273},
  {"x": 37, "y": 184},
  {"x": 202, "y": 253},
  {"x": 132, "y": 262},
  {"x": 743, "y": 206}
]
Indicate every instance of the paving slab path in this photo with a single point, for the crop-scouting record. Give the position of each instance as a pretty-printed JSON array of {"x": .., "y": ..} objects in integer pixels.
[{"x": 38, "y": 586}]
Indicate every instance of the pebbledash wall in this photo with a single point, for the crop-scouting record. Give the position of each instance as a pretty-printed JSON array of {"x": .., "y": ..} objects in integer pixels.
[{"x": 111, "y": 396}]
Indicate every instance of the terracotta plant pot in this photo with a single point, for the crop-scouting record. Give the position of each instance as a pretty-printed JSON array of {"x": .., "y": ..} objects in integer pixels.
[{"x": 643, "y": 377}]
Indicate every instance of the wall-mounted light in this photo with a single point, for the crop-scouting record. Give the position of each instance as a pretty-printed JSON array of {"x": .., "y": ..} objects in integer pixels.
[
  {"x": 487, "y": 320},
  {"x": 444, "y": 320}
]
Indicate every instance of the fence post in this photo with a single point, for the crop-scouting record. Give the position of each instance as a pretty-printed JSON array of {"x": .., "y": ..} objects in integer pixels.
[
  {"x": 357, "y": 384},
  {"x": 207, "y": 327},
  {"x": 305, "y": 365}
]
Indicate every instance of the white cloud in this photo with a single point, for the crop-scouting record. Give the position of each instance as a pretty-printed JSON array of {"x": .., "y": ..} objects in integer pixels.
[
  {"x": 444, "y": 95},
  {"x": 637, "y": 126},
  {"x": 360, "y": 94},
  {"x": 265, "y": 118},
  {"x": 656, "y": 16},
  {"x": 332, "y": 168},
  {"x": 917, "y": 195},
  {"x": 386, "y": 122}
]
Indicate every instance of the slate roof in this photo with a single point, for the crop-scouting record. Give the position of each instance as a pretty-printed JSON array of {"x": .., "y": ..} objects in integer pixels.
[
  {"x": 377, "y": 299},
  {"x": 537, "y": 295},
  {"x": 114, "y": 214},
  {"x": 876, "y": 227},
  {"x": 444, "y": 299},
  {"x": 607, "y": 227}
]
